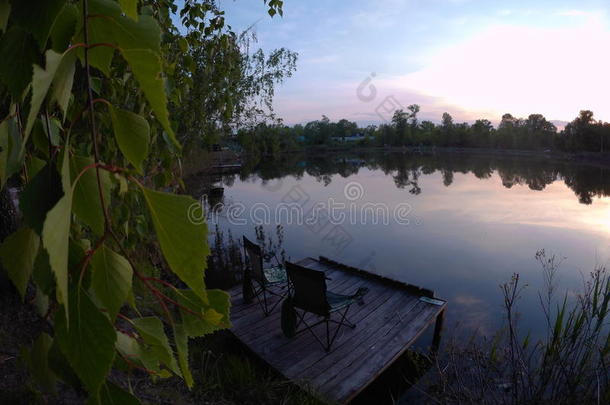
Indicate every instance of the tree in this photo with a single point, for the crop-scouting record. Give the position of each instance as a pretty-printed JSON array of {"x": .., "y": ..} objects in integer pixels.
[
  {"x": 582, "y": 133},
  {"x": 540, "y": 132},
  {"x": 506, "y": 131},
  {"x": 231, "y": 87},
  {"x": 447, "y": 128},
  {"x": 482, "y": 131},
  {"x": 413, "y": 111},
  {"x": 400, "y": 121},
  {"x": 345, "y": 129},
  {"x": 87, "y": 135}
]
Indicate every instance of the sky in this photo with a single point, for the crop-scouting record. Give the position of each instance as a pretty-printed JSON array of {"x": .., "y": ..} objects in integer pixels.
[{"x": 361, "y": 59}]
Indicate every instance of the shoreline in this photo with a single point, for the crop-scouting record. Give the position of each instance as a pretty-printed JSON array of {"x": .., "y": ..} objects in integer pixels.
[{"x": 590, "y": 158}]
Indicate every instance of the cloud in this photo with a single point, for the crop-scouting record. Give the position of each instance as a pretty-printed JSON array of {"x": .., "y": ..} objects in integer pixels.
[
  {"x": 581, "y": 13},
  {"x": 522, "y": 70}
]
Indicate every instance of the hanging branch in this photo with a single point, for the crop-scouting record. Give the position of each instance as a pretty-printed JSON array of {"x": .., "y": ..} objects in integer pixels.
[{"x": 94, "y": 136}]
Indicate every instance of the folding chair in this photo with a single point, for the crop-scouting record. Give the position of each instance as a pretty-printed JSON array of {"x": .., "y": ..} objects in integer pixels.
[
  {"x": 268, "y": 279},
  {"x": 309, "y": 295}
]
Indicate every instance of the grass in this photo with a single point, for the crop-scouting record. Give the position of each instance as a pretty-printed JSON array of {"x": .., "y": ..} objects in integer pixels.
[
  {"x": 570, "y": 365},
  {"x": 224, "y": 374}
]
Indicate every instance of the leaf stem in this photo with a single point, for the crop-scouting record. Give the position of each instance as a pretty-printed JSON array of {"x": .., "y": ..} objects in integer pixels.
[{"x": 94, "y": 136}]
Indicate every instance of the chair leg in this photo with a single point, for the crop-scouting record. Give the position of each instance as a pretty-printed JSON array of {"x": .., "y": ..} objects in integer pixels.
[
  {"x": 310, "y": 328},
  {"x": 342, "y": 322},
  {"x": 327, "y": 320},
  {"x": 265, "y": 307},
  {"x": 264, "y": 302}
]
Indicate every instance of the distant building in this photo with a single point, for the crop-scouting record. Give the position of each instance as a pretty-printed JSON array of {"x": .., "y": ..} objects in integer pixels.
[{"x": 353, "y": 138}]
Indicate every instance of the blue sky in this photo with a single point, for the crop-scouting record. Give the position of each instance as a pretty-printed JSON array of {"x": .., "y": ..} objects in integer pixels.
[{"x": 474, "y": 59}]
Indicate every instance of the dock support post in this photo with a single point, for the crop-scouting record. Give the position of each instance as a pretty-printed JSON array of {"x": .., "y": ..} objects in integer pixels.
[{"x": 438, "y": 328}]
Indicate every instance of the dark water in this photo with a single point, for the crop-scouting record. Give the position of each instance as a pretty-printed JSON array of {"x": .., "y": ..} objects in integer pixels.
[{"x": 457, "y": 224}]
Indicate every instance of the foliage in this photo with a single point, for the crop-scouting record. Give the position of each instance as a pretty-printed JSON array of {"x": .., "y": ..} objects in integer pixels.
[
  {"x": 535, "y": 132},
  {"x": 230, "y": 86},
  {"x": 87, "y": 135},
  {"x": 569, "y": 365}
]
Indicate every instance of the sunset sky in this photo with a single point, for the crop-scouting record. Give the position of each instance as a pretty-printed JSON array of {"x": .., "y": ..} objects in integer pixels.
[{"x": 474, "y": 59}]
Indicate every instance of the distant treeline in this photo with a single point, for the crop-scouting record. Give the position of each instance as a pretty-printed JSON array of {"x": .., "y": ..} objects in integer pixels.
[{"x": 532, "y": 133}]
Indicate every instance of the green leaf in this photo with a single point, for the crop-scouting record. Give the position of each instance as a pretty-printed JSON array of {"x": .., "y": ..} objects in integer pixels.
[
  {"x": 111, "y": 279},
  {"x": 4, "y": 141},
  {"x": 56, "y": 233},
  {"x": 10, "y": 145},
  {"x": 183, "y": 44},
  {"x": 64, "y": 27},
  {"x": 56, "y": 63},
  {"x": 40, "y": 136},
  {"x": 40, "y": 195},
  {"x": 14, "y": 159},
  {"x": 42, "y": 273},
  {"x": 151, "y": 331},
  {"x": 37, "y": 360},
  {"x": 100, "y": 57},
  {"x": 183, "y": 242},
  {"x": 5, "y": 11},
  {"x": 35, "y": 165},
  {"x": 19, "y": 47},
  {"x": 146, "y": 66},
  {"x": 88, "y": 343},
  {"x": 130, "y": 8},
  {"x": 37, "y": 17},
  {"x": 126, "y": 345},
  {"x": 17, "y": 254},
  {"x": 129, "y": 348},
  {"x": 132, "y": 134},
  {"x": 62, "y": 83},
  {"x": 213, "y": 315},
  {"x": 61, "y": 367},
  {"x": 123, "y": 32},
  {"x": 182, "y": 347},
  {"x": 112, "y": 394},
  {"x": 86, "y": 203}
]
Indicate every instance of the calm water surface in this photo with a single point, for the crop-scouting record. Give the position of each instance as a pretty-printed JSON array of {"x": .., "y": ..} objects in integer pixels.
[{"x": 473, "y": 221}]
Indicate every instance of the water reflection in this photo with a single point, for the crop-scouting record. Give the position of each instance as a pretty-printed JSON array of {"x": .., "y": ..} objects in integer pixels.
[{"x": 475, "y": 221}]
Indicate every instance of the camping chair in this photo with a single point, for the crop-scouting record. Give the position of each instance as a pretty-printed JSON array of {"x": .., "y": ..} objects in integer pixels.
[
  {"x": 311, "y": 296},
  {"x": 267, "y": 279}
]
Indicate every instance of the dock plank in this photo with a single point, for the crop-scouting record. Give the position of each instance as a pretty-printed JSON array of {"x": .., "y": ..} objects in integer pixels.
[{"x": 390, "y": 321}]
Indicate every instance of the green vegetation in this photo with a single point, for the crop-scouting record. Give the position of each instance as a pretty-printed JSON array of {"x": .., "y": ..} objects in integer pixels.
[
  {"x": 535, "y": 132},
  {"x": 568, "y": 366},
  {"x": 115, "y": 267}
]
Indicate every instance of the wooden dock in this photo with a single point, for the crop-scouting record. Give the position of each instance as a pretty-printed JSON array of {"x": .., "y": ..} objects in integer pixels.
[{"x": 393, "y": 317}]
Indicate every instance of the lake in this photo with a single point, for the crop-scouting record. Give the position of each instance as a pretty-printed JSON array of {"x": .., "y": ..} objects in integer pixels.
[{"x": 458, "y": 224}]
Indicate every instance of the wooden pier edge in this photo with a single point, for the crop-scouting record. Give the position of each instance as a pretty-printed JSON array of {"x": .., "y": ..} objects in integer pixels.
[{"x": 397, "y": 315}]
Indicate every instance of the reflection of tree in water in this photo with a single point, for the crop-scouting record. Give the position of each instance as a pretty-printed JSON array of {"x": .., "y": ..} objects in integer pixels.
[
  {"x": 587, "y": 182},
  {"x": 447, "y": 177}
]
